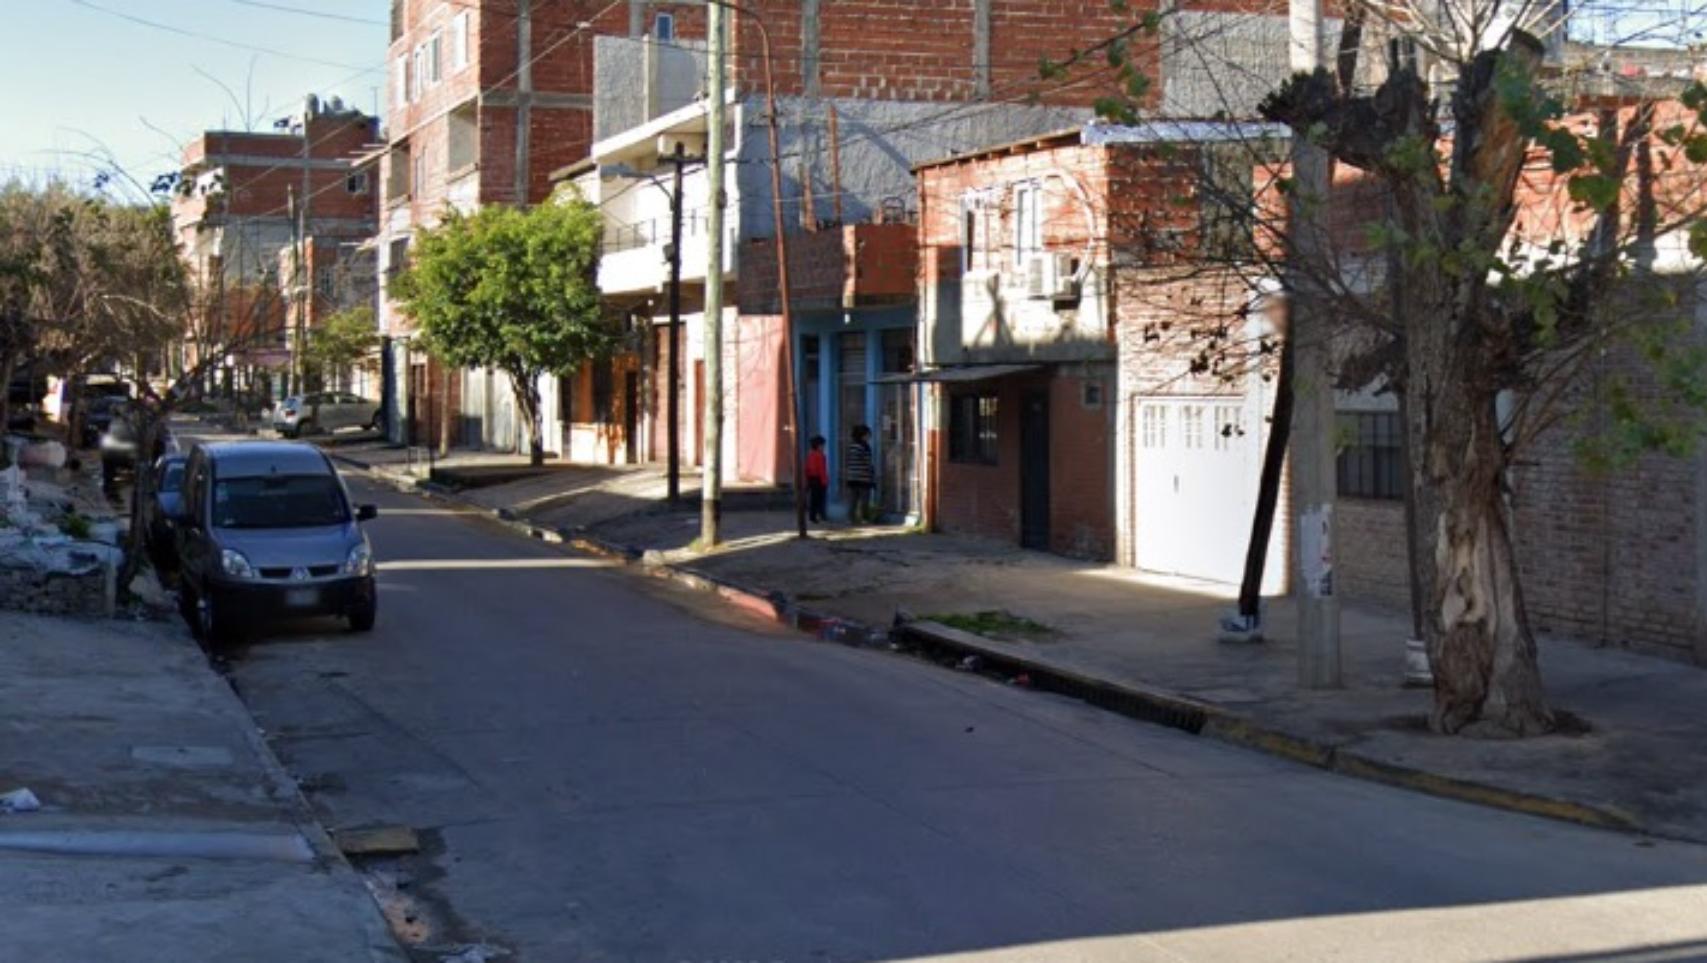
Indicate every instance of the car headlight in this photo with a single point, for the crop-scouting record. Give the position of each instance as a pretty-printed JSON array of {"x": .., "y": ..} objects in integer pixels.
[
  {"x": 360, "y": 561},
  {"x": 235, "y": 564}
]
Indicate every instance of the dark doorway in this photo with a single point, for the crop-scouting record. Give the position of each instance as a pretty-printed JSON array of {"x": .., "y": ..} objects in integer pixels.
[
  {"x": 631, "y": 417},
  {"x": 1034, "y": 471}
]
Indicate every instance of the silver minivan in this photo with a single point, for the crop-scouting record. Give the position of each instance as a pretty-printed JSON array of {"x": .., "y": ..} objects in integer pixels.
[{"x": 267, "y": 531}]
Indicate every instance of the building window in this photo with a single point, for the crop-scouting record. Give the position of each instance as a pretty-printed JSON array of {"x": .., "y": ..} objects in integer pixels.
[
  {"x": 397, "y": 175},
  {"x": 435, "y": 58},
  {"x": 462, "y": 137},
  {"x": 1028, "y": 222},
  {"x": 418, "y": 177},
  {"x": 1191, "y": 426},
  {"x": 1229, "y": 427},
  {"x": 664, "y": 28},
  {"x": 459, "y": 42},
  {"x": 972, "y": 429},
  {"x": 356, "y": 183},
  {"x": 400, "y": 80},
  {"x": 1154, "y": 422},
  {"x": 1090, "y": 395},
  {"x": 418, "y": 76},
  {"x": 968, "y": 234},
  {"x": 1370, "y": 460},
  {"x": 325, "y": 283},
  {"x": 397, "y": 259}
]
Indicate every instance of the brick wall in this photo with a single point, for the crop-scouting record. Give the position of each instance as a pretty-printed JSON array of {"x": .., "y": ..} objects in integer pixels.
[
  {"x": 1370, "y": 556},
  {"x": 980, "y": 499},
  {"x": 855, "y": 265}
]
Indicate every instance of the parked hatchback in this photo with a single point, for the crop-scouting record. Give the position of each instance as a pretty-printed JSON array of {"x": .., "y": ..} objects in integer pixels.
[
  {"x": 326, "y": 411},
  {"x": 266, "y": 531}
]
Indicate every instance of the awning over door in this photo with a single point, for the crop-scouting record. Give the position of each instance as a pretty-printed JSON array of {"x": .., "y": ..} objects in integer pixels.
[{"x": 957, "y": 375}]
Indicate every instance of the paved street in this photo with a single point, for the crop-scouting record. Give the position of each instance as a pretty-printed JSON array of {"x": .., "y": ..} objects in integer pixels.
[{"x": 605, "y": 768}]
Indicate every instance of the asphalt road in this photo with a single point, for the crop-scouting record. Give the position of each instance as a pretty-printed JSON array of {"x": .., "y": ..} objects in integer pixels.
[{"x": 605, "y": 768}]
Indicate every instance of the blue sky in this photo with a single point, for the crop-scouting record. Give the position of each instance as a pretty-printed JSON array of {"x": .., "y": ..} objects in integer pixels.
[{"x": 74, "y": 77}]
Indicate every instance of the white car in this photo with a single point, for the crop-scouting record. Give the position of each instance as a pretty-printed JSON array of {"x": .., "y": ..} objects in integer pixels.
[{"x": 324, "y": 411}]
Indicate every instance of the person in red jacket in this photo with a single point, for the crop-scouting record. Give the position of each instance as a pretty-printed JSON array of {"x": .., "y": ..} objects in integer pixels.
[{"x": 817, "y": 478}]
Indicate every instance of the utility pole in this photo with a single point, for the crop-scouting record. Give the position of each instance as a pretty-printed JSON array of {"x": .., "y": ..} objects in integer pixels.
[
  {"x": 1309, "y": 330},
  {"x": 304, "y": 289},
  {"x": 293, "y": 383},
  {"x": 677, "y": 160},
  {"x": 711, "y": 495}
]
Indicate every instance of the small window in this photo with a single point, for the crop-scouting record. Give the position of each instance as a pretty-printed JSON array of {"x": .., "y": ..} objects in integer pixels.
[
  {"x": 400, "y": 80},
  {"x": 972, "y": 429},
  {"x": 1191, "y": 426},
  {"x": 397, "y": 186},
  {"x": 418, "y": 176},
  {"x": 419, "y": 75},
  {"x": 356, "y": 183},
  {"x": 462, "y": 141},
  {"x": 1229, "y": 427},
  {"x": 325, "y": 283},
  {"x": 968, "y": 235},
  {"x": 1091, "y": 394},
  {"x": 1028, "y": 222},
  {"x": 435, "y": 58},
  {"x": 1370, "y": 460},
  {"x": 459, "y": 42},
  {"x": 664, "y": 28},
  {"x": 1154, "y": 419},
  {"x": 398, "y": 259}
]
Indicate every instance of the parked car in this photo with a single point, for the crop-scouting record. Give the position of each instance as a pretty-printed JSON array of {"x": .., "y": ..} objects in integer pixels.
[
  {"x": 157, "y": 513},
  {"x": 324, "y": 411},
  {"x": 266, "y": 531},
  {"x": 119, "y": 443}
]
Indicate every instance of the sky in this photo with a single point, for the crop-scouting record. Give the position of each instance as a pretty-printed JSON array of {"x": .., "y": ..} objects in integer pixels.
[{"x": 78, "y": 77}]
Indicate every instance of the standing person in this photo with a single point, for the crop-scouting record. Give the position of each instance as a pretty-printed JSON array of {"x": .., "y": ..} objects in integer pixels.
[
  {"x": 817, "y": 479},
  {"x": 860, "y": 475}
]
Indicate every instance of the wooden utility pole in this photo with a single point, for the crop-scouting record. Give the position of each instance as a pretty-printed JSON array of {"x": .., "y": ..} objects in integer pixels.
[
  {"x": 1311, "y": 335},
  {"x": 711, "y": 495}
]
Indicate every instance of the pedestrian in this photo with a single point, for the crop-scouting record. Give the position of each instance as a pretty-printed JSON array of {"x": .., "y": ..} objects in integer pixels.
[
  {"x": 860, "y": 476},
  {"x": 817, "y": 479}
]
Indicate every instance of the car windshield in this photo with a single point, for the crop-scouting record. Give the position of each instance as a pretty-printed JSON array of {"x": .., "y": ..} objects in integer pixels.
[
  {"x": 279, "y": 501},
  {"x": 174, "y": 477}
]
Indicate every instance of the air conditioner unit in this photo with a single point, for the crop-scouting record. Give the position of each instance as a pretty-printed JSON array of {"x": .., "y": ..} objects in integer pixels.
[{"x": 1049, "y": 276}]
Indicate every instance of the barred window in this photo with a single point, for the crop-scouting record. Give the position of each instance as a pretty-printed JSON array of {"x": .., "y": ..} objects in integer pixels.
[
  {"x": 972, "y": 429},
  {"x": 1370, "y": 460}
]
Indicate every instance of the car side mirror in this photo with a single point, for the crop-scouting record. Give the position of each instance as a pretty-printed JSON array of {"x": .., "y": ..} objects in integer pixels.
[{"x": 367, "y": 513}]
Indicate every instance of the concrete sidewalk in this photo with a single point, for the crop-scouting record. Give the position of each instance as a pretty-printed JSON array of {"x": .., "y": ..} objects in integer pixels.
[
  {"x": 1631, "y": 754},
  {"x": 166, "y": 829}
]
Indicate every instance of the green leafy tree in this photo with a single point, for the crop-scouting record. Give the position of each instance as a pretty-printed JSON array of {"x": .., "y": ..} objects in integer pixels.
[
  {"x": 342, "y": 341},
  {"x": 513, "y": 290}
]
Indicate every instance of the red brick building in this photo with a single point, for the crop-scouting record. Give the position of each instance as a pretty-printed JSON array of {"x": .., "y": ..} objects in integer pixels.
[
  {"x": 1061, "y": 419},
  {"x": 235, "y": 214}
]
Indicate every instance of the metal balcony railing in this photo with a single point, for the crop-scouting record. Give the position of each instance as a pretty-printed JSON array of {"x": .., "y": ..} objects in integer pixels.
[{"x": 653, "y": 231}]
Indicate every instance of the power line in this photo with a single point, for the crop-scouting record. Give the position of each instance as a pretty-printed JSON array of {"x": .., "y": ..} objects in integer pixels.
[
  {"x": 304, "y": 11},
  {"x": 211, "y": 38}
]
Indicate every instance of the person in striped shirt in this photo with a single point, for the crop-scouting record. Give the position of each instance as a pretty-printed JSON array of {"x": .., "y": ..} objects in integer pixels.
[{"x": 860, "y": 475}]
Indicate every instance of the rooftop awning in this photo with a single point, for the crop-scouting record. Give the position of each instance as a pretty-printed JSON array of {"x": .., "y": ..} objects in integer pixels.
[{"x": 958, "y": 375}]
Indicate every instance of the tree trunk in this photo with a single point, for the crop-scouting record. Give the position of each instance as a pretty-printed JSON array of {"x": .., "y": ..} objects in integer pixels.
[
  {"x": 8, "y": 367},
  {"x": 1268, "y": 489},
  {"x": 1487, "y": 680},
  {"x": 526, "y": 386},
  {"x": 142, "y": 489}
]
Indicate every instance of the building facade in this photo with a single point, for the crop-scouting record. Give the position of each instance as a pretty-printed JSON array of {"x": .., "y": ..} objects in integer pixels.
[{"x": 244, "y": 203}]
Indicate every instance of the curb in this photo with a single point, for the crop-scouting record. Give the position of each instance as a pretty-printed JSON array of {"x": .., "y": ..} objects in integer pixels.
[
  {"x": 382, "y": 942},
  {"x": 1199, "y": 718},
  {"x": 1135, "y": 700}
]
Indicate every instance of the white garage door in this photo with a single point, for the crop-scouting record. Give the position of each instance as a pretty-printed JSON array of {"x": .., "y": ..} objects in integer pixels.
[{"x": 1196, "y": 464}]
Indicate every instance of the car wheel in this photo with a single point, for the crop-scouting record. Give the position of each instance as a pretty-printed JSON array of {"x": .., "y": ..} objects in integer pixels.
[
  {"x": 213, "y": 626},
  {"x": 362, "y": 616}
]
